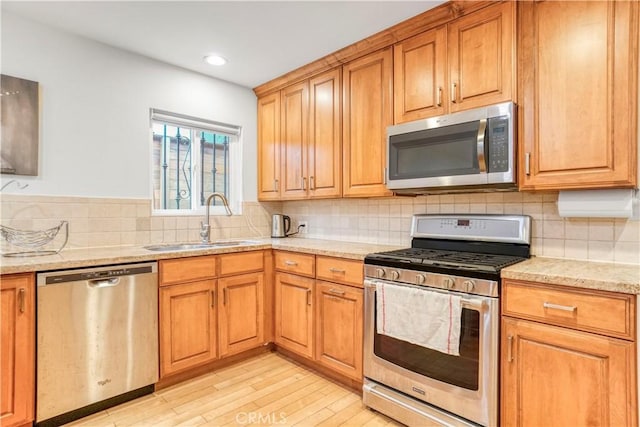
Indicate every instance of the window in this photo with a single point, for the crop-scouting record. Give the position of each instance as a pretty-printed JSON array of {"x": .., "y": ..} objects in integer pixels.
[{"x": 193, "y": 158}]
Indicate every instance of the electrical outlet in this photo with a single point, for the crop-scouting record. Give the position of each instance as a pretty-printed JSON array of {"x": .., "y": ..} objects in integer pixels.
[{"x": 304, "y": 227}]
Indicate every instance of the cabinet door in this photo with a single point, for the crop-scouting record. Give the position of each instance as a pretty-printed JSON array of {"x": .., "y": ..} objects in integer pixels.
[
  {"x": 419, "y": 69},
  {"x": 368, "y": 110},
  {"x": 293, "y": 145},
  {"x": 294, "y": 313},
  {"x": 578, "y": 108},
  {"x": 241, "y": 313},
  {"x": 482, "y": 57},
  {"x": 339, "y": 328},
  {"x": 188, "y": 334},
  {"x": 325, "y": 140},
  {"x": 17, "y": 355},
  {"x": 269, "y": 147},
  {"x": 561, "y": 377}
]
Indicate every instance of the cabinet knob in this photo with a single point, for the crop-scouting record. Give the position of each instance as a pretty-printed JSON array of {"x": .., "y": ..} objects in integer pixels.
[
  {"x": 449, "y": 283},
  {"x": 468, "y": 285}
]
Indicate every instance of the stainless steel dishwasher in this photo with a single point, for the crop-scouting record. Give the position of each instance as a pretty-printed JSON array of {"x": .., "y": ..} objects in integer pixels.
[{"x": 97, "y": 339}]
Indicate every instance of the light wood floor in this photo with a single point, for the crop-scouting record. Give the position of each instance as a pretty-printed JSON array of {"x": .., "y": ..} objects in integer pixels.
[{"x": 266, "y": 390}]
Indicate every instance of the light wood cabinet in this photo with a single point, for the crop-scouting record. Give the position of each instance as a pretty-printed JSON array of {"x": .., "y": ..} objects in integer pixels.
[
  {"x": 324, "y": 166},
  {"x": 269, "y": 147},
  {"x": 419, "y": 76},
  {"x": 586, "y": 378},
  {"x": 319, "y": 311},
  {"x": 466, "y": 64},
  {"x": 294, "y": 313},
  {"x": 339, "y": 328},
  {"x": 17, "y": 354},
  {"x": 188, "y": 325},
  {"x": 241, "y": 322},
  {"x": 293, "y": 142},
  {"x": 578, "y": 94},
  {"x": 481, "y": 55},
  {"x": 211, "y": 306},
  {"x": 367, "y": 85},
  {"x": 308, "y": 140}
]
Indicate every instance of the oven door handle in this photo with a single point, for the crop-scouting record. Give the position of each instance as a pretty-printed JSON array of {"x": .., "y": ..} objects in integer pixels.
[{"x": 477, "y": 304}]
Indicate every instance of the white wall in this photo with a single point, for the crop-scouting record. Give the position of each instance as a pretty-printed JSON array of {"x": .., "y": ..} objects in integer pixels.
[{"x": 94, "y": 137}]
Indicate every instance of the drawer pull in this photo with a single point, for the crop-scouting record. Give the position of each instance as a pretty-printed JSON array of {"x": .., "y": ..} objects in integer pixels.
[
  {"x": 224, "y": 296},
  {"x": 308, "y": 296},
  {"x": 291, "y": 263},
  {"x": 337, "y": 270},
  {"x": 570, "y": 308},
  {"x": 336, "y": 291},
  {"x": 213, "y": 299},
  {"x": 21, "y": 299},
  {"x": 510, "y": 348}
]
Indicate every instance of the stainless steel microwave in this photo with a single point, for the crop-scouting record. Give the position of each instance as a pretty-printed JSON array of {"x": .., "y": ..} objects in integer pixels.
[{"x": 465, "y": 150}]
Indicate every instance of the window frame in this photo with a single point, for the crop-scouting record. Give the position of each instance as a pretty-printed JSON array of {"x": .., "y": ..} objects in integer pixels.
[{"x": 234, "y": 162}]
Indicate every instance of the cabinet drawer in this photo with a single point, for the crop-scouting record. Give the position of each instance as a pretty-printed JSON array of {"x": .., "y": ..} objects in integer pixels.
[
  {"x": 185, "y": 269},
  {"x": 242, "y": 262},
  {"x": 605, "y": 313},
  {"x": 340, "y": 270},
  {"x": 291, "y": 262}
]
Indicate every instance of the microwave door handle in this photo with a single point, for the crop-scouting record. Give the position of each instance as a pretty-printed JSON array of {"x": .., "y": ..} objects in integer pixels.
[{"x": 482, "y": 164}]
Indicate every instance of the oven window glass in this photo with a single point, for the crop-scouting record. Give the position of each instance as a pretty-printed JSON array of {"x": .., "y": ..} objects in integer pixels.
[
  {"x": 461, "y": 371},
  {"x": 447, "y": 151}
]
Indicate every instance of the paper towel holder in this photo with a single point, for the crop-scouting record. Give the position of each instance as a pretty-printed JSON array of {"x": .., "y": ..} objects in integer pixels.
[{"x": 616, "y": 203}]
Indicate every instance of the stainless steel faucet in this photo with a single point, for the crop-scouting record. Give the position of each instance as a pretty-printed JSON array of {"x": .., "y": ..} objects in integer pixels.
[{"x": 205, "y": 228}]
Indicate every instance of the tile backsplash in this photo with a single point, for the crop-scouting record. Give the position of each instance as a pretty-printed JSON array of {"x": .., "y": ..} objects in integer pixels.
[
  {"x": 96, "y": 222},
  {"x": 387, "y": 221}
]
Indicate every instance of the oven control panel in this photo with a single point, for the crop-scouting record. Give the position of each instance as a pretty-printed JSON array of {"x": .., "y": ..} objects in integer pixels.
[{"x": 433, "y": 280}]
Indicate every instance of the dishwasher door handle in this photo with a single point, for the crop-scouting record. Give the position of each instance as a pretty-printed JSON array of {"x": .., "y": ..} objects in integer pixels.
[{"x": 104, "y": 283}]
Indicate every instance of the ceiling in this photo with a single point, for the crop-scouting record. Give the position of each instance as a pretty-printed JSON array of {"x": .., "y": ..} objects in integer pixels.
[{"x": 260, "y": 39}]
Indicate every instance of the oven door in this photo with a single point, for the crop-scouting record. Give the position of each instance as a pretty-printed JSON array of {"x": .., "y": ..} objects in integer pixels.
[{"x": 465, "y": 385}]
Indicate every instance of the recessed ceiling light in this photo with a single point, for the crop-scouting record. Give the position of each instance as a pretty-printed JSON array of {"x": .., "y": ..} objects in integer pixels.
[{"x": 215, "y": 60}]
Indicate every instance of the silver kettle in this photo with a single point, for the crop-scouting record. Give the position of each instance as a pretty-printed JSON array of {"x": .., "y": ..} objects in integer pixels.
[{"x": 280, "y": 225}]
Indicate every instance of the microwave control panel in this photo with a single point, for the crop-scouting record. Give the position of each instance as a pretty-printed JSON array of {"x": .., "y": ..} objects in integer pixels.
[{"x": 498, "y": 135}]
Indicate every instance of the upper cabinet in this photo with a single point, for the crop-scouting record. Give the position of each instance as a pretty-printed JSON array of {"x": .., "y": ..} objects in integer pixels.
[
  {"x": 482, "y": 57},
  {"x": 466, "y": 64},
  {"x": 299, "y": 140},
  {"x": 578, "y": 94},
  {"x": 269, "y": 147},
  {"x": 367, "y": 85},
  {"x": 419, "y": 76}
]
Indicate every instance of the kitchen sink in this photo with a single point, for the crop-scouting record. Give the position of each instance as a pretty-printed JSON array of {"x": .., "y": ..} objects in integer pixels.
[{"x": 192, "y": 246}]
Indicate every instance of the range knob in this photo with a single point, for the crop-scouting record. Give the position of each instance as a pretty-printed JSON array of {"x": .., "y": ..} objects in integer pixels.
[
  {"x": 379, "y": 273},
  {"x": 449, "y": 283},
  {"x": 394, "y": 275},
  {"x": 420, "y": 279},
  {"x": 468, "y": 285}
]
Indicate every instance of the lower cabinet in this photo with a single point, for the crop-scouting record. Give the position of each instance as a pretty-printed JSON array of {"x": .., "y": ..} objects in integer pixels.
[
  {"x": 557, "y": 376},
  {"x": 188, "y": 332},
  {"x": 210, "y": 307},
  {"x": 339, "y": 328},
  {"x": 17, "y": 354},
  {"x": 241, "y": 313},
  {"x": 294, "y": 313},
  {"x": 555, "y": 369},
  {"x": 319, "y": 310}
]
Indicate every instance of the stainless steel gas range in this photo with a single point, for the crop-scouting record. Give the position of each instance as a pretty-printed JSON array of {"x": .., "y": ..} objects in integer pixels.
[{"x": 432, "y": 319}]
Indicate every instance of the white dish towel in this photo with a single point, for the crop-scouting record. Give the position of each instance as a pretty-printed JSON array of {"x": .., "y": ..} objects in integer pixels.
[{"x": 420, "y": 316}]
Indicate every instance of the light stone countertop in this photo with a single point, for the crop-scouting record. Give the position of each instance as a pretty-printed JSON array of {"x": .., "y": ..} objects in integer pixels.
[
  {"x": 582, "y": 274},
  {"x": 603, "y": 276},
  {"x": 91, "y": 257}
]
